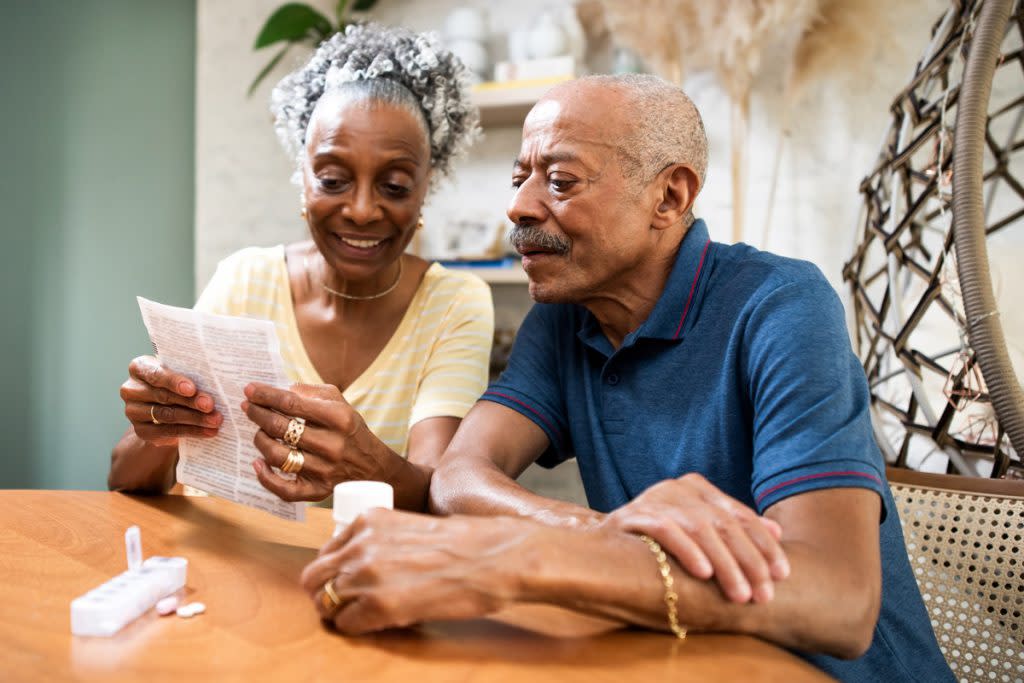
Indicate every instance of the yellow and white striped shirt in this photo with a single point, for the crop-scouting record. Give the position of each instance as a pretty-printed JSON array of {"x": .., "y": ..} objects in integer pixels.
[{"x": 434, "y": 365}]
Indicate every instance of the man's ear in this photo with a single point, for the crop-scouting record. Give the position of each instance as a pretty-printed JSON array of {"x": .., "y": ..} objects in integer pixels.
[{"x": 679, "y": 185}]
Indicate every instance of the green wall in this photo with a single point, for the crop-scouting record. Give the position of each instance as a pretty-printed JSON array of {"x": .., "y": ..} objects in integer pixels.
[{"x": 97, "y": 207}]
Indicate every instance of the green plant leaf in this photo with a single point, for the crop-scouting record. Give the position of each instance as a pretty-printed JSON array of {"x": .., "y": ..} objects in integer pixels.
[
  {"x": 267, "y": 69},
  {"x": 292, "y": 23},
  {"x": 339, "y": 12},
  {"x": 363, "y": 5}
]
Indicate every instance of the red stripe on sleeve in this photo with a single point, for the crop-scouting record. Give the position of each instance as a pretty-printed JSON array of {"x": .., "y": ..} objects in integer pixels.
[
  {"x": 820, "y": 475},
  {"x": 528, "y": 407}
]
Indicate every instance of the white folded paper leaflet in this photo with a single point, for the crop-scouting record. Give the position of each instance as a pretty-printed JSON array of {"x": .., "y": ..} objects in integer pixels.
[{"x": 221, "y": 354}]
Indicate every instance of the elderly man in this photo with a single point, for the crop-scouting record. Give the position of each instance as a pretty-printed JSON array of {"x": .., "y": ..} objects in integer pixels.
[{"x": 712, "y": 401}]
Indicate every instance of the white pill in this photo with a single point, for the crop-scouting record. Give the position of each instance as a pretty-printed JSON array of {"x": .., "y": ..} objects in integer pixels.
[
  {"x": 167, "y": 605},
  {"x": 191, "y": 610}
]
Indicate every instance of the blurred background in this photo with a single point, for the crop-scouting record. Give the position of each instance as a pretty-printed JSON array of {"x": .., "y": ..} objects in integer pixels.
[
  {"x": 136, "y": 159},
  {"x": 98, "y": 206}
]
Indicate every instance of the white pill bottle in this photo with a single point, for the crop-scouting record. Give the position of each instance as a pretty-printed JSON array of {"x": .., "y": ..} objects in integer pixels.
[{"x": 352, "y": 498}]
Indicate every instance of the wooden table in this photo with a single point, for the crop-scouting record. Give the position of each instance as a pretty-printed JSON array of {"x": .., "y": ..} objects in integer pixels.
[{"x": 259, "y": 625}]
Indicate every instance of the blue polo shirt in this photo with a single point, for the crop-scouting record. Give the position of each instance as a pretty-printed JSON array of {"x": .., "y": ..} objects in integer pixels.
[{"x": 743, "y": 372}]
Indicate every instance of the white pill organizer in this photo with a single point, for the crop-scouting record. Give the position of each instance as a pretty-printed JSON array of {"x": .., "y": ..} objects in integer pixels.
[{"x": 108, "y": 608}]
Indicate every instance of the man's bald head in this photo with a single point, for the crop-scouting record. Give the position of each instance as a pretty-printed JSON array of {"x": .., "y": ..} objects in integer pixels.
[
  {"x": 604, "y": 183},
  {"x": 651, "y": 122}
]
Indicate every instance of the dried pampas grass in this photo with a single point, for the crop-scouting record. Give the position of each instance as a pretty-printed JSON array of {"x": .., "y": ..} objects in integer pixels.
[
  {"x": 656, "y": 31},
  {"x": 737, "y": 33},
  {"x": 836, "y": 40},
  {"x": 731, "y": 37},
  {"x": 728, "y": 36}
]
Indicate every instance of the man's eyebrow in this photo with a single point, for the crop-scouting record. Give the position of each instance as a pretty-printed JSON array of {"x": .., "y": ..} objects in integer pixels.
[{"x": 548, "y": 158}]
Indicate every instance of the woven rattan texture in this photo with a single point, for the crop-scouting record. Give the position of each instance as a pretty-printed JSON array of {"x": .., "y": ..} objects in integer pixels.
[
  {"x": 909, "y": 325},
  {"x": 968, "y": 557}
]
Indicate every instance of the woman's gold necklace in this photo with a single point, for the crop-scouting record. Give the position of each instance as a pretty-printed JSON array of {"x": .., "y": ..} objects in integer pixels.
[{"x": 356, "y": 297}]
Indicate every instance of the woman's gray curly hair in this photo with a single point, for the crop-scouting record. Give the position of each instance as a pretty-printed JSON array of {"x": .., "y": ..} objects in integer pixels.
[{"x": 370, "y": 60}]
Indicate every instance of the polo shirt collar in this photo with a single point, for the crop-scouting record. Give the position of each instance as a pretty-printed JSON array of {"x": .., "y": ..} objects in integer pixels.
[
  {"x": 682, "y": 289},
  {"x": 673, "y": 307}
]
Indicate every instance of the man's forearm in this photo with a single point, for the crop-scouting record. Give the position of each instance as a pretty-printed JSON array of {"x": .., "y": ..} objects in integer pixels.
[
  {"x": 475, "y": 486},
  {"x": 616, "y": 576}
]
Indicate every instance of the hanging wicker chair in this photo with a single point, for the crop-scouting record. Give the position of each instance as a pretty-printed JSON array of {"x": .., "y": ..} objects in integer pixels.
[{"x": 926, "y": 323}]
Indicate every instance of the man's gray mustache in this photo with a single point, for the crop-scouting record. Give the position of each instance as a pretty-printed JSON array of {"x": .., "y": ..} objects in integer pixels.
[{"x": 526, "y": 237}]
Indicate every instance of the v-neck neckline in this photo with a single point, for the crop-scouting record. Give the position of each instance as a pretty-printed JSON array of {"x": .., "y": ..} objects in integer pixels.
[{"x": 361, "y": 384}]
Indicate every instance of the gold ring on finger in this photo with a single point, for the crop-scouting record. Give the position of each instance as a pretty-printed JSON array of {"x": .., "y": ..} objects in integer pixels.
[
  {"x": 152, "y": 417},
  {"x": 293, "y": 434},
  {"x": 329, "y": 597},
  {"x": 294, "y": 462}
]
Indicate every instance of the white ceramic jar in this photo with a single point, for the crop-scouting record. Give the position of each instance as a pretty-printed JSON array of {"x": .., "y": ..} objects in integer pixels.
[
  {"x": 547, "y": 39},
  {"x": 472, "y": 54},
  {"x": 466, "y": 23}
]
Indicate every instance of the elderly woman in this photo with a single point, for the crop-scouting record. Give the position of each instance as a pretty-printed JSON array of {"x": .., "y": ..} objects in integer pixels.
[{"x": 388, "y": 351}]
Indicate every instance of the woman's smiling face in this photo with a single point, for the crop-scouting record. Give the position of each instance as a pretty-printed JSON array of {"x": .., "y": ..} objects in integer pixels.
[{"x": 365, "y": 176}]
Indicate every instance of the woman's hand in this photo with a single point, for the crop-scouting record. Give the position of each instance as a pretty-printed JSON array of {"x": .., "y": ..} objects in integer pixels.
[
  {"x": 710, "y": 534},
  {"x": 163, "y": 405},
  {"x": 392, "y": 569},
  {"x": 336, "y": 443}
]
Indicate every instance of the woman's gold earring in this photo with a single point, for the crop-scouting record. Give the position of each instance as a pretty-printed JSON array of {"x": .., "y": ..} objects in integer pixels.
[
  {"x": 419, "y": 223},
  {"x": 303, "y": 212}
]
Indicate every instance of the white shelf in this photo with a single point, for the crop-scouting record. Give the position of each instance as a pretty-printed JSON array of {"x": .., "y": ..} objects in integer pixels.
[{"x": 507, "y": 104}]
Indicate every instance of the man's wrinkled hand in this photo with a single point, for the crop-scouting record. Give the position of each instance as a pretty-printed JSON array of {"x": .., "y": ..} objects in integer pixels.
[
  {"x": 392, "y": 569},
  {"x": 710, "y": 535}
]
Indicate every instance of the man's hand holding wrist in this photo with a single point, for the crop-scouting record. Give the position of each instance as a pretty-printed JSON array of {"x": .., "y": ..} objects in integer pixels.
[{"x": 710, "y": 534}]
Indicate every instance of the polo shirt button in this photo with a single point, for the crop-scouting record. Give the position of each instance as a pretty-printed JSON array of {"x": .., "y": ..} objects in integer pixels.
[{"x": 613, "y": 379}]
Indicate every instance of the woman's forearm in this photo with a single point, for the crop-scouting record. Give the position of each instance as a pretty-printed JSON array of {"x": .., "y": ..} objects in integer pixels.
[
  {"x": 138, "y": 466},
  {"x": 410, "y": 481}
]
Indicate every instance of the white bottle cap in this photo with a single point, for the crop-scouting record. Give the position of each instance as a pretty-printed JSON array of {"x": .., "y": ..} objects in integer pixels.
[{"x": 352, "y": 498}]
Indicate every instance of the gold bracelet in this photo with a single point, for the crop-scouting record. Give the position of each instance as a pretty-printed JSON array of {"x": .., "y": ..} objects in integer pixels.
[{"x": 671, "y": 599}]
